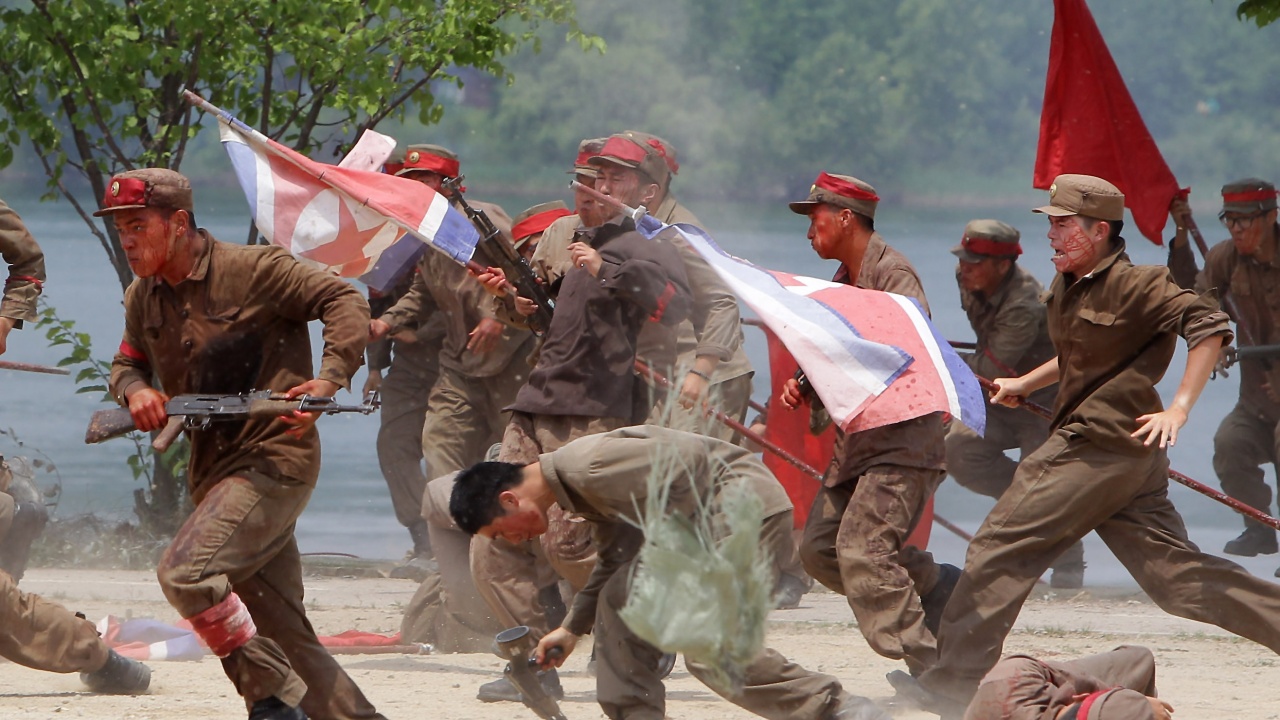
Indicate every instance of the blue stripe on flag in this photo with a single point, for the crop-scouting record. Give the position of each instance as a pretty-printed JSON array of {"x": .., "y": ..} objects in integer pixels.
[{"x": 457, "y": 236}]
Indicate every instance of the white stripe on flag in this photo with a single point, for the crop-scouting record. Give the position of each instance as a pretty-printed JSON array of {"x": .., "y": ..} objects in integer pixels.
[{"x": 935, "y": 353}]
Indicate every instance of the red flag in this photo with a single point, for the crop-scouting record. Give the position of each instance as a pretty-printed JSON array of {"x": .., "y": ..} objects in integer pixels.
[{"x": 1090, "y": 125}]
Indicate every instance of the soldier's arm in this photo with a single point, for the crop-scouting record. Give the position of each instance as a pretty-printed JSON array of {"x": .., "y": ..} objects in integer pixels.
[
  {"x": 415, "y": 307},
  {"x": 714, "y": 313},
  {"x": 616, "y": 543},
  {"x": 26, "y": 272}
]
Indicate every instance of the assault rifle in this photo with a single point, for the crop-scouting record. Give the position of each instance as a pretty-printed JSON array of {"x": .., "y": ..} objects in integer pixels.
[
  {"x": 502, "y": 255},
  {"x": 1258, "y": 352},
  {"x": 199, "y": 411}
]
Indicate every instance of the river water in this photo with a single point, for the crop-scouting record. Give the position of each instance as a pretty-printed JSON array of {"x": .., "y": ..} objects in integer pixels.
[{"x": 351, "y": 510}]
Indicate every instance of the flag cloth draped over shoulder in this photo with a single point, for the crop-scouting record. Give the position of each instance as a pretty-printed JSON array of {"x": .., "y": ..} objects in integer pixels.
[
  {"x": 872, "y": 357},
  {"x": 1090, "y": 125},
  {"x": 354, "y": 222}
]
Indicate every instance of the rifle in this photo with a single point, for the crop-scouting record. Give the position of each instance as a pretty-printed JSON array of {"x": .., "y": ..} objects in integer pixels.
[
  {"x": 515, "y": 644},
  {"x": 197, "y": 412},
  {"x": 502, "y": 255},
  {"x": 1257, "y": 352}
]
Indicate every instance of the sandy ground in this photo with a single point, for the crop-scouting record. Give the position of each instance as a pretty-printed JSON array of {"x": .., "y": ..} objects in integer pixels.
[{"x": 1203, "y": 671}]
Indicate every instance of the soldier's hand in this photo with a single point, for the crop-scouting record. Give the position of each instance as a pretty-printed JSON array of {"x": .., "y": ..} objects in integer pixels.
[
  {"x": 146, "y": 406},
  {"x": 493, "y": 280},
  {"x": 1181, "y": 213},
  {"x": 693, "y": 391},
  {"x": 373, "y": 382},
  {"x": 1162, "y": 425},
  {"x": 758, "y": 428},
  {"x": 1161, "y": 709},
  {"x": 485, "y": 336},
  {"x": 560, "y": 638},
  {"x": 6, "y": 324},
  {"x": 1010, "y": 392},
  {"x": 790, "y": 395},
  {"x": 585, "y": 257},
  {"x": 378, "y": 329},
  {"x": 1226, "y": 358},
  {"x": 300, "y": 422}
]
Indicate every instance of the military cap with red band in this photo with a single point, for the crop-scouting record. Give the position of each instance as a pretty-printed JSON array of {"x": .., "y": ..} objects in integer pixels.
[
  {"x": 633, "y": 153},
  {"x": 843, "y": 191},
  {"x": 587, "y": 149},
  {"x": 536, "y": 219},
  {"x": 1248, "y": 196},
  {"x": 147, "y": 188},
  {"x": 988, "y": 239},
  {"x": 430, "y": 158}
]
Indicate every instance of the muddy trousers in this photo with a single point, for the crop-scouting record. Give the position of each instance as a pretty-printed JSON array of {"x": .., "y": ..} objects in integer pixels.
[
  {"x": 465, "y": 416},
  {"x": 240, "y": 538},
  {"x": 404, "y": 407},
  {"x": 508, "y": 576},
  {"x": 628, "y": 686},
  {"x": 1244, "y": 443},
  {"x": 46, "y": 636},
  {"x": 978, "y": 463},
  {"x": 1020, "y": 682},
  {"x": 854, "y": 544},
  {"x": 1065, "y": 489}
]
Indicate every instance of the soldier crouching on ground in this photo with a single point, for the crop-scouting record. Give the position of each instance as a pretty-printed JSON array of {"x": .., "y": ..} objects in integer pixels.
[
  {"x": 33, "y": 631},
  {"x": 200, "y": 304},
  {"x": 1002, "y": 301},
  {"x": 604, "y": 479}
]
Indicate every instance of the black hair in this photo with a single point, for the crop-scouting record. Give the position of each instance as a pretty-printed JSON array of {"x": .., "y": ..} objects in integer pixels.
[
  {"x": 1113, "y": 238},
  {"x": 474, "y": 502},
  {"x": 868, "y": 223}
]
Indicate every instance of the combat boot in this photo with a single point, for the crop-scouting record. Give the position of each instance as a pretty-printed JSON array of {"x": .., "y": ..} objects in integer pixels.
[
  {"x": 934, "y": 602},
  {"x": 1255, "y": 540},
  {"x": 790, "y": 591},
  {"x": 273, "y": 708},
  {"x": 856, "y": 707},
  {"x": 501, "y": 690},
  {"x": 1068, "y": 576},
  {"x": 118, "y": 676}
]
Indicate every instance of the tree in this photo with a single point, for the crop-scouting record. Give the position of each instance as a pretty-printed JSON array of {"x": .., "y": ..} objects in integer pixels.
[
  {"x": 1262, "y": 12},
  {"x": 96, "y": 85}
]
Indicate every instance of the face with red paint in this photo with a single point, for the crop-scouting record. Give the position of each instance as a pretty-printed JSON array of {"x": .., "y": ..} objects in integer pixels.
[
  {"x": 522, "y": 520},
  {"x": 827, "y": 225},
  {"x": 1077, "y": 244},
  {"x": 148, "y": 237}
]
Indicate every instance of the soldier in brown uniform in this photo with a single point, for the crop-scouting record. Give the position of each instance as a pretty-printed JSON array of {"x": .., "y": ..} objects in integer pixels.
[
  {"x": 1104, "y": 467},
  {"x": 200, "y": 308},
  {"x": 604, "y": 478},
  {"x": 703, "y": 356},
  {"x": 879, "y": 480},
  {"x": 1115, "y": 685},
  {"x": 1245, "y": 271},
  {"x": 33, "y": 631},
  {"x": 1002, "y": 301}
]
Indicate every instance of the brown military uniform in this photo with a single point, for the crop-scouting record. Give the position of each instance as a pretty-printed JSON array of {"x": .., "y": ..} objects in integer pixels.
[
  {"x": 1115, "y": 331},
  {"x": 35, "y": 632},
  {"x": 872, "y": 498},
  {"x": 243, "y": 311},
  {"x": 412, "y": 369},
  {"x": 1021, "y": 687},
  {"x": 26, "y": 268},
  {"x": 1013, "y": 339},
  {"x": 1249, "y": 436},
  {"x": 604, "y": 479}
]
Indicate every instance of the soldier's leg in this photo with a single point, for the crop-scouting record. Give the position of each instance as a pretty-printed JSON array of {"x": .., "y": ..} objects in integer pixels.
[
  {"x": 886, "y": 505},
  {"x": 455, "y": 433},
  {"x": 977, "y": 462},
  {"x": 404, "y": 406},
  {"x": 1244, "y": 442},
  {"x": 1128, "y": 666},
  {"x": 274, "y": 596},
  {"x": 627, "y": 681},
  {"x": 777, "y": 536},
  {"x": 46, "y": 636},
  {"x": 778, "y": 689},
  {"x": 238, "y": 527},
  {"x": 818, "y": 541},
  {"x": 1149, "y": 537},
  {"x": 464, "y": 623}
]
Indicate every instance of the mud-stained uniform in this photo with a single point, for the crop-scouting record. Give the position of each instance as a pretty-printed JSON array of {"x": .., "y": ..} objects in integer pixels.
[
  {"x": 1013, "y": 340},
  {"x": 873, "y": 495},
  {"x": 238, "y": 322},
  {"x": 604, "y": 479},
  {"x": 1021, "y": 687},
  {"x": 1115, "y": 331}
]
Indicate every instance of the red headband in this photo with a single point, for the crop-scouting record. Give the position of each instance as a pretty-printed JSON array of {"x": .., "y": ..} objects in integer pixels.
[
  {"x": 125, "y": 191},
  {"x": 535, "y": 224},
  {"x": 392, "y": 168},
  {"x": 623, "y": 149},
  {"x": 992, "y": 248},
  {"x": 584, "y": 156},
  {"x": 1249, "y": 196},
  {"x": 844, "y": 188},
  {"x": 661, "y": 149},
  {"x": 434, "y": 163}
]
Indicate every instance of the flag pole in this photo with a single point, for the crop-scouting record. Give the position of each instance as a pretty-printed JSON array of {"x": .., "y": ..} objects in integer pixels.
[{"x": 1246, "y": 510}]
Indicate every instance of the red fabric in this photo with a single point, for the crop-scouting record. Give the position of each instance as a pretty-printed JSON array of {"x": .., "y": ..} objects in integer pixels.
[
  {"x": 225, "y": 626},
  {"x": 127, "y": 191},
  {"x": 132, "y": 352},
  {"x": 359, "y": 638},
  {"x": 583, "y": 157},
  {"x": 661, "y": 149},
  {"x": 392, "y": 168},
  {"x": 844, "y": 188},
  {"x": 1251, "y": 196},
  {"x": 668, "y": 292},
  {"x": 27, "y": 278},
  {"x": 983, "y": 246},
  {"x": 1090, "y": 125},
  {"x": 623, "y": 149},
  {"x": 789, "y": 429},
  {"x": 537, "y": 223},
  {"x": 434, "y": 163},
  {"x": 1088, "y": 702}
]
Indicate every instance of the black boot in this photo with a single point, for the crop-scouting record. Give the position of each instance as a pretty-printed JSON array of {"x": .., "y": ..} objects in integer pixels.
[
  {"x": 935, "y": 601},
  {"x": 119, "y": 676},
  {"x": 1255, "y": 540},
  {"x": 501, "y": 690},
  {"x": 273, "y": 708}
]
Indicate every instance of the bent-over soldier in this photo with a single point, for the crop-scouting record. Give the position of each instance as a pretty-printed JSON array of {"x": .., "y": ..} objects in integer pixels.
[
  {"x": 1245, "y": 270},
  {"x": 604, "y": 478},
  {"x": 212, "y": 317},
  {"x": 1002, "y": 301}
]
